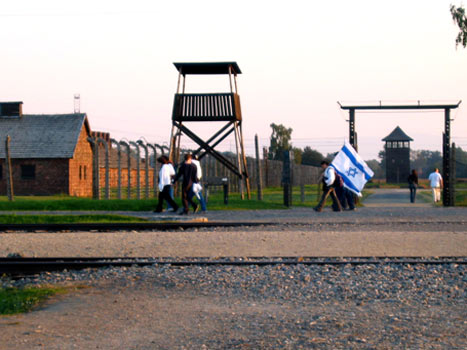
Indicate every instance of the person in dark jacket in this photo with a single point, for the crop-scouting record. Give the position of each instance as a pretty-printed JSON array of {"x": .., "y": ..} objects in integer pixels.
[
  {"x": 188, "y": 171},
  {"x": 413, "y": 184}
]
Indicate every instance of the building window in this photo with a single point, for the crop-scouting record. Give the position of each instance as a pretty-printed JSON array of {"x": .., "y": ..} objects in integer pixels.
[
  {"x": 80, "y": 172},
  {"x": 28, "y": 172},
  {"x": 401, "y": 144}
]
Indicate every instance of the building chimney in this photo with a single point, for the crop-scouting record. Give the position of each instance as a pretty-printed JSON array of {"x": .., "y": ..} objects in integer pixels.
[{"x": 11, "y": 109}]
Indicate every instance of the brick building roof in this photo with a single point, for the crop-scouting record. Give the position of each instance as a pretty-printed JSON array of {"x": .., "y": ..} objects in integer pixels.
[{"x": 42, "y": 136}]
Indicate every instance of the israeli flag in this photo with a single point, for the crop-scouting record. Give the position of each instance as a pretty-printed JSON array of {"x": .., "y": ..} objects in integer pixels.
[{"x": 352, "y": 168}]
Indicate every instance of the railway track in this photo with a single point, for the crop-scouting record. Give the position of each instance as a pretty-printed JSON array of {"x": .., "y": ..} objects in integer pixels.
[
  {"x": 29, "y": 266},
  {"x": 139, "y": 226},
  {"x": 168, "y": 226}
]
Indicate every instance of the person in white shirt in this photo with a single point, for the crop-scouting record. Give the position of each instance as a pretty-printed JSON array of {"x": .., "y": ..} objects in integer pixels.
[
  {"x": 329, "y": 181},
  {"x": 165, "y": 183},
  {"x": 197, "y": 185},
  {"x": 436, "y": 184}
]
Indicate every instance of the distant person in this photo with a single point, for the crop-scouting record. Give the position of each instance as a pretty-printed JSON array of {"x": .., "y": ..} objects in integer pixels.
[
  {"x": 166, "y": 173},
  {"x": 330, "y": 182},
  {"x": 198, "y": 192},
  {"x": 436, "y": 184},
  {"x": 413, "y": 184},
  {"x": 188, "y": 171}
]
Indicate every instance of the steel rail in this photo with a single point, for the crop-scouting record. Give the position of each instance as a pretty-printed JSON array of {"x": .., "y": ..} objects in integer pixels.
[
  {"x": 167, "y": 226},
  {"x": 29, "y": 266},
  {"x": 160, "y": 226}
]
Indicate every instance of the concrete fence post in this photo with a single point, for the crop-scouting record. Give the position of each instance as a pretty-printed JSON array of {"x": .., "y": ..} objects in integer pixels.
[
  {"x": 128, "y": 152},
  {"x": 138, "y": 179},
  {"x": 119, "y": 165},
  {"x": 107, "y": 167},
  {"x": 96, "y": 193},
  {"x": 154, "y": 172},
  {"x": 146, "y": 168}
]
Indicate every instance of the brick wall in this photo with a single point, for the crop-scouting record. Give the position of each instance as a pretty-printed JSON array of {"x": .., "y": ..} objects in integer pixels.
[
  {"x": 113, "y": 177},
  {"x": 51, "y": 177},
  {"x": 80, "y": 165}
]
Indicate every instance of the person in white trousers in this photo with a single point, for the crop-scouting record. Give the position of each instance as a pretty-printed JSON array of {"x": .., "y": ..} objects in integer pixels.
[{"x": 436, "y": 184}]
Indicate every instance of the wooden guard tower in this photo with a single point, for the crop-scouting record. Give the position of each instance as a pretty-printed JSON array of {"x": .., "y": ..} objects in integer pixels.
[
  {"x": 210, "y": 107},
  {"x": 397, "y": 150}
]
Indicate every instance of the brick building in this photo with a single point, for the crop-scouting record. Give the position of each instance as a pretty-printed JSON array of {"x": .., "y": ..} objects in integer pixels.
[{"x": 50, "y": 154}]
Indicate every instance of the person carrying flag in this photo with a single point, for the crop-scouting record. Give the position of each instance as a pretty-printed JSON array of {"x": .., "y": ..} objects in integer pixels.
[{"x": 331, "y": 180}]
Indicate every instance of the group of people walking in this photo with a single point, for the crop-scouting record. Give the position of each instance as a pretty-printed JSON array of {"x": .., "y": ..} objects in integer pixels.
[
  {"x": 333, "y": 185},
  {"x": 343, "y": 199},
  {"x": 190, "y": 172},
  {"x": 436, "y": 184}
]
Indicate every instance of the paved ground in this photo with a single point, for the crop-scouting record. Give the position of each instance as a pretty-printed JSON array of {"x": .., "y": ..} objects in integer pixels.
[{"x": 395, "y": 198}]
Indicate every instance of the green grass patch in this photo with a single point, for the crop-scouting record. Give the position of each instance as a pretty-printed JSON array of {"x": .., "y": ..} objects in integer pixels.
[
  {"x": 461, "y": 198},
  {"x": 67, "y": 219},
  {"x": 19, "y": 300},
  {"x": 272, "y": 199}
]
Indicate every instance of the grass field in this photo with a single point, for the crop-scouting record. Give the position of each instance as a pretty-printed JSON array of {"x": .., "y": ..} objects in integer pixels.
[
  {"x": 19, "y": 300},
  {"x": 272, "y": 199},
  {"x": 67, "y": 219}
]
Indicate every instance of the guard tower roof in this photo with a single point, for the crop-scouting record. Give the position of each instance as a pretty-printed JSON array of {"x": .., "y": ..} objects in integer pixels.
[
  {"x": 397, "y": 135},
  {"x": 207, "y": 67}
]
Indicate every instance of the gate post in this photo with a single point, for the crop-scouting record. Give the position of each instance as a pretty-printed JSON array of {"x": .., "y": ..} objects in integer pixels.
[{"x": 287, "y": 178}]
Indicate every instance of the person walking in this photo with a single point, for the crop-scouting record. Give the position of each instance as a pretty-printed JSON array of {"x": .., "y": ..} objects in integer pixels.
[
  {"x": 329, "y": 183},
  {"x": 436, "y": 184},
  {"x": 188, "y": 171},
  {"x": 413, "y": 184},
  {"x": 165, "y": 184},
  {"x": 198, "y": 193}
]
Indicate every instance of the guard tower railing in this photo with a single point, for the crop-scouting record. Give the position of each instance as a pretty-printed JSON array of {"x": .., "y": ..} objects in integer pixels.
[{"x": 207, "y": 107}]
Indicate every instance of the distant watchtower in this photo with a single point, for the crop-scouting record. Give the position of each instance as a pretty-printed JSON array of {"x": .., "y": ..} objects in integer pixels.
[
  {"x": 397, "y": 150},
  {"x": 210, "y": 107}
]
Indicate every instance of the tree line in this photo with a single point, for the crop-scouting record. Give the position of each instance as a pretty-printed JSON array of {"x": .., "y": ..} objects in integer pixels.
[{"x": 424, "y": 161}]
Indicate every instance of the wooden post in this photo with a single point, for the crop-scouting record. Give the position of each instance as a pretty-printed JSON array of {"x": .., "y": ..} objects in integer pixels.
[
  {"x": 9, "y": 172},
  {"x": 259, "y": 178},
  {"x": 266, "y": 170}
]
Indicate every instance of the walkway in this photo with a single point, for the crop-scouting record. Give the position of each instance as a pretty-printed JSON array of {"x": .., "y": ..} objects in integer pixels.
[{"x": 394, "y": 197}]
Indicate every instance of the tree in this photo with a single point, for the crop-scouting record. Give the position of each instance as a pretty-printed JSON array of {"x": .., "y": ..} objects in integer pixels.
[
  {"x": 311, "y": 157},
  {"x": 297, "y": 155},
  {"x": 458, "y": 16},
  {"x": 461, "y": 163},
  {"x": 425, "y": 161},
  {"x": 280, "y": 141},
  {"x": 376, "y": 167}
]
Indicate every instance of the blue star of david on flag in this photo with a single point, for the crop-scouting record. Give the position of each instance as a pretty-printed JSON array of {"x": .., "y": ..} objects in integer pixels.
[
  {"x": 352, "y": 172},
  {"x": 352, "y": 168}
]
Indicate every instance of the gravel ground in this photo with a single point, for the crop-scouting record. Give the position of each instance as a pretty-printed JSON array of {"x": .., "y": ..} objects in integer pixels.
[
  {"x": 272, "y": 307},
  {"x": 281, "y": 240}
]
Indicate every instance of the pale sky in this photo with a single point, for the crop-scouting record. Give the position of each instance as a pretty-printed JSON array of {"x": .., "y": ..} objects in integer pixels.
[{"x": 298, "y": 59}]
